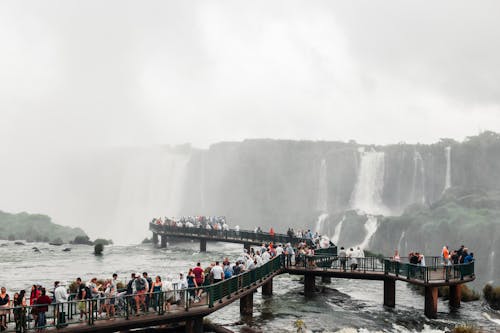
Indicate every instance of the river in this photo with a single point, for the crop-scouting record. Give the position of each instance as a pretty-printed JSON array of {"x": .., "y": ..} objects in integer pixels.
[{"x": 345, "y": 306}]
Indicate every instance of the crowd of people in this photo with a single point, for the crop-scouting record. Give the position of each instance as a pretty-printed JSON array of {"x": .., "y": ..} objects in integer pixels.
[
  {"x": 139, "y": 294},
  {"x": 205, "y": 222}
]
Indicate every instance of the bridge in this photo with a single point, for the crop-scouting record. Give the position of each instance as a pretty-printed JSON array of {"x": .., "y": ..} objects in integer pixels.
[
  {"x": 189, "y": 315},
  {"x": 248, "y": 238}
]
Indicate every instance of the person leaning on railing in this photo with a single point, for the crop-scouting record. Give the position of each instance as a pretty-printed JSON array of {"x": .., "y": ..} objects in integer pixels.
[{"x": 4, "y": 308}]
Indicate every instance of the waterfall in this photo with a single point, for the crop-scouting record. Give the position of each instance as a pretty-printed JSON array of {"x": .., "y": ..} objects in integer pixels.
[
  {"x": 152, "y": 186},
  {"x": 491, "y": 263},
  {"x": 320, "y": 222},
  {"x": 400, "y": 240},
  {"x": 418, "y": 182},
  {"x": 336, "y": 233},
  {"x": 322, "y": 202},
  {"x": 367, "y": 194},
  {"x": 371, "y": 225},
  {"x": 447, "y": 180}
]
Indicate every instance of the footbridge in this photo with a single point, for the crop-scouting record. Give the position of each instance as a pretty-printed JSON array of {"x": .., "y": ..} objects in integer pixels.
[{"x": 161, "y": 232}]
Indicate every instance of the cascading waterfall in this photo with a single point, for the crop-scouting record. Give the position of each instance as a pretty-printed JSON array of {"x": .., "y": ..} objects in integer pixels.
[
  {"x": 447, "y": 180},
  {"x": 322, "y": 201},
  {"x": 338, "y": 229},
  {"x": 152, "y": 186},
  {"x": 400, "y": 240},
  {"x": 367, "y": 194},
  {"x": 491, "y": 264},
  {"x": 371, "y": 226},
  {"x": 418, "y": 183}
]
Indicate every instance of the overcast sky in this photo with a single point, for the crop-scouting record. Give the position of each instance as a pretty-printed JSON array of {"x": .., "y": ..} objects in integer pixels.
[{"x": 100, "y": 73}]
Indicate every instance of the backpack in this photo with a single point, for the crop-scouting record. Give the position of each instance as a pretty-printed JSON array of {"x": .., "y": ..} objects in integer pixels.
[
  {"x": 88, "y": 293},
  {"x": 140, "y": 284}
]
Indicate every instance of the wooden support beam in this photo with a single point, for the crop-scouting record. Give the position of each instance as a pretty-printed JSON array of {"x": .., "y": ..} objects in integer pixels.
[
  {"x": 246, "y": 305},
  {"x": 309, "y": 284},
  {"x": 455, "y": 295},
  {"x": 390, "y": 292},
  {"x": 267, "y": 288},
  {"x": 163, "y": 241},
  {"x": 203, "y": 245},
  {"x": 155, "y": 238},
  {"x": 194, "y": 325},
  {"x": 431, "y": 301}
]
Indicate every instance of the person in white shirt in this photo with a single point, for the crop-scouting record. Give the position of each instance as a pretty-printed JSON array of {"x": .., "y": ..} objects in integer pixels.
[
  {"x": 279, "y": 250},
  {"x": 61, "y": 296},
  {"x": 217, "y": 272}
]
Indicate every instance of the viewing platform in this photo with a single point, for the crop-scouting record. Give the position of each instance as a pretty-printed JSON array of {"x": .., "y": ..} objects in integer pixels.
[{"x": 245, "y": 237}]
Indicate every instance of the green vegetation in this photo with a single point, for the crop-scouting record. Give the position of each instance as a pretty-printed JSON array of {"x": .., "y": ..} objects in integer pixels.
[
  {"x": 103, "y": 241},
  {"x": 492, "y": 296},
  {"x": 35, "y": 228}
]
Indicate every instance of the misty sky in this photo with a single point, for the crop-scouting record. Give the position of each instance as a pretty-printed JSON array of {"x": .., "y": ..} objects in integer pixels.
[{"x": 99, "y": 73}]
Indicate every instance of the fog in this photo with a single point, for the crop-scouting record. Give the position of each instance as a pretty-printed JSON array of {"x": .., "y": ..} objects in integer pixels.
[{"x": 81, "y": 79}]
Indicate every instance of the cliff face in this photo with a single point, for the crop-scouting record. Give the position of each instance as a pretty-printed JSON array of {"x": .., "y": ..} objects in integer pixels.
[{"x": 292, "y": 183}]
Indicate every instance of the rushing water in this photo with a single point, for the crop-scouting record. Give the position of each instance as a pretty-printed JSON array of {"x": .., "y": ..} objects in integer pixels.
[
  {"x": 367, "y": 194},
  {"x": 344, "y": 306},
  {"x": 447, "y": 179}
]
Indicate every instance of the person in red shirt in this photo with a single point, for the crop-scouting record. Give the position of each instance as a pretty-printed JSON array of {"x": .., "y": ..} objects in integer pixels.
[
  {"x": 199, "y": 278},
  {"x": 42, "y": 303}
]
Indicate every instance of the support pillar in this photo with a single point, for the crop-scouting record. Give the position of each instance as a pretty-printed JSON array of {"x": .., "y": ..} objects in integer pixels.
[
  {"x": 431, "y": 302},
  {"x": 247, "y": 246},
  {"x": 194, "y": 325},
  {"x": 390, "y": 292},
  {"x": 455, "y": 295},
  {"x": 203, "y": 245},
  {"x": 326, "y": 279},
  {"x": 309, "y": 284},
  {"x": 246, "y": 305},
  {"x": 267, "y": 288},
  {"x": 163, "y": 241},
  {"x": 155, "y": 239}
]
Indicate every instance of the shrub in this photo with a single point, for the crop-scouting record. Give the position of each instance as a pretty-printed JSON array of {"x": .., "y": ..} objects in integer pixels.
[
  {"x": 492, "y": 296},
  {"x": 82, "y": 240},
  {"x": 103, "y": 241},
  {"x": 147, "y": 241}
]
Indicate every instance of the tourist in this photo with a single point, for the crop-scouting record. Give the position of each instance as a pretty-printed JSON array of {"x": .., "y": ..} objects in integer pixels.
[
  {"x": 42, "y": 303},
  {"x": 4, "y": 307},
  {"x": 168, "y": 289},
  {"x": 289, "y": 253},
  {"x": 110, "y": 292},
  {"x": 343, "y": 258},
  {"x": 82, "y": 295},
  {"x": 191, "y": 281},
  {"x": 217, "y": 272},
  {"x": 149, "y": 291},
  {"x": 353, "y": 261},
  {"x": 141, "y": 287},
  {"x": 199, "y": 275},
  {"x": 469, "y": 258},
  {"x": 131, "y": 292},
  {"x": 20, "y": 311},
  {"x": 34, "y": 294},
  {"x": 445, "y": 254},
  {"x": 60, "y": 296},
  {"x": 156, "y": 290},
  {"x": 396, "y": 256}
]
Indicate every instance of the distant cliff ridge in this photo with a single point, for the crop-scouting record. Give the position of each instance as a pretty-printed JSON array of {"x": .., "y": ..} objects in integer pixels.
[{"x": 35, "y": 228}]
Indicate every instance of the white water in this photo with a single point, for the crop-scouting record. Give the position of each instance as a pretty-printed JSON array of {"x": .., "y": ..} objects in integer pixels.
[
  {"x": 321, "y": 222},
  {"x": 400, "y": 240},
  {"x": 371, "y": 226},
  {"x": 152, "y": 186},
  {"x": 418, "y": 183},
  {"x": 338, "y": 228},
  {"x": 367, "y": 194},
  {"x": 447, "y": 180},
  {"x": 322, "y": 203},
  {"x": 491, "y": 263}
]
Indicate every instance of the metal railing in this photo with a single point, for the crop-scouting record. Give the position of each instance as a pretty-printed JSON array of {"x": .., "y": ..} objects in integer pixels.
[
  {"x": 91, "y": 311},
  {"x": 434, "y": 272},
  {"x": 334, "y": 262},
  {"x": 241, "y": 235}
]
